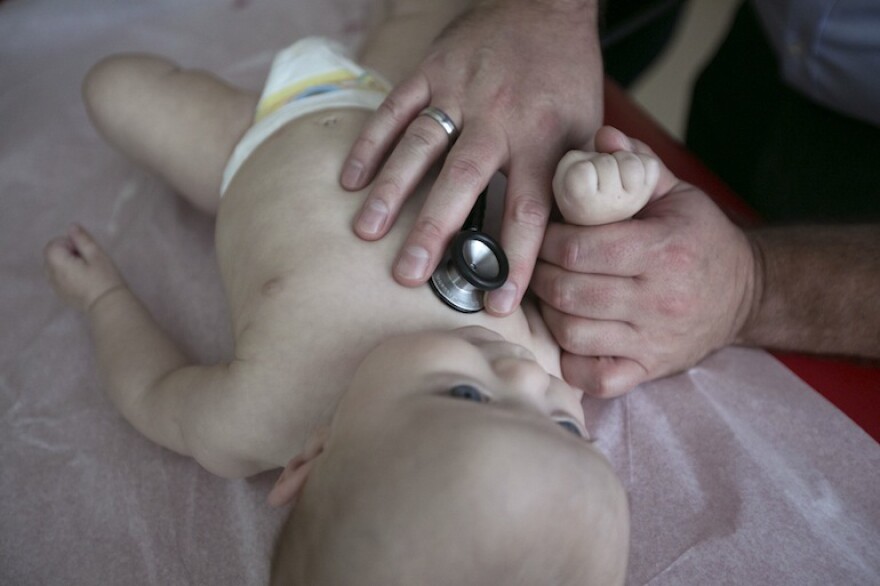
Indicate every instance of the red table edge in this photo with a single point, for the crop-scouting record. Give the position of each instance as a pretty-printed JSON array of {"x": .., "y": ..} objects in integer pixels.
[{"x": 852, "y": 387}]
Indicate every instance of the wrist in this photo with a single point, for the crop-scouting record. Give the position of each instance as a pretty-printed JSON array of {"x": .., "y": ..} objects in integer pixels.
[
  {"x": 754, "y": 294},
  {"x": 816, "y": 290},
  {"x": 110, "y": 291}
]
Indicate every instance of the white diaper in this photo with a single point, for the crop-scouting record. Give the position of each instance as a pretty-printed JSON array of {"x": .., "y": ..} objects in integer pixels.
[{"x": 313, "y": 74}]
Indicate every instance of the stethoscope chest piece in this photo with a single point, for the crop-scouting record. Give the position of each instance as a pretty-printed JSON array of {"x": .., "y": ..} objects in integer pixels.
[{"x": 473, "y": 264}]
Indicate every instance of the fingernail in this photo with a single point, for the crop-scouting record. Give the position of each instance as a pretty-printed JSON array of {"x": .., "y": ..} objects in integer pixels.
[
  {"x": 502, "y": 300},
  {"x": 413, "y": 263},
  {"x": 373, "y": 217},
  {"x": 351, "y": 175}
]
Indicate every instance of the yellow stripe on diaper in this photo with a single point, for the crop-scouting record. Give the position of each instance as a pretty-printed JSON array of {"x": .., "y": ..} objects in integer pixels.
[{"x": 275, "y": 100}]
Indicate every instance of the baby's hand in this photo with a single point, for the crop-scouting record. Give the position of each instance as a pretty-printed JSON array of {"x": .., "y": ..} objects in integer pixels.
[
  {"x": 79, "y": 270},
  {"x": 609, "y": 185}
]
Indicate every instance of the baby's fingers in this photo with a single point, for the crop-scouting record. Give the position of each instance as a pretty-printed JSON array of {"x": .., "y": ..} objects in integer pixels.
[
  {"x": 601, "y": 188},
  {"x": 83, "y": 242},
  {"x": 609, "y": 140}
]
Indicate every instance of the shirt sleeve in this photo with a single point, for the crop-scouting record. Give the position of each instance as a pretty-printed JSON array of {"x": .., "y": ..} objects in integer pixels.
[{"x": 829, "y": 51}]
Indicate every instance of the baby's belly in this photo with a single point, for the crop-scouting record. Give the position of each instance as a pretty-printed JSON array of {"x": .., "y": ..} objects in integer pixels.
[
  {"x": 307, "y": 296},
  {"x": 294, "y": 270},
  {"x": 318, "y": 284},
  {"x": 307, "y": 307},
  {"x": 284, "y": 229}
]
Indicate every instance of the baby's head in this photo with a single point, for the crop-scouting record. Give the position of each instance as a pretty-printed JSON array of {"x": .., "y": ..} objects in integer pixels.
[{"x": 453, "y": 458}]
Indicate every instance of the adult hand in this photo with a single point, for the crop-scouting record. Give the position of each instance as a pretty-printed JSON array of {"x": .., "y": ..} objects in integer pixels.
[
  {"x": 646, "y": 297},
  {"x": 521, "y": 80}
]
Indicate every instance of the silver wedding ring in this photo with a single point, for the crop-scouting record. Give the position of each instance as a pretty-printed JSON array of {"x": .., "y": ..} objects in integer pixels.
[{"x": 443, "y": 120}]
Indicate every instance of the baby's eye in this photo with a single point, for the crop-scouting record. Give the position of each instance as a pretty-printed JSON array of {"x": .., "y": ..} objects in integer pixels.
[
  {"x": 468, "y": 393},
  {"x": 570, "y": 427}
]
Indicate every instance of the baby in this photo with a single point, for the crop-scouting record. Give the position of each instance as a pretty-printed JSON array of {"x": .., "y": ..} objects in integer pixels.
[{"x": 439, "y": 447}]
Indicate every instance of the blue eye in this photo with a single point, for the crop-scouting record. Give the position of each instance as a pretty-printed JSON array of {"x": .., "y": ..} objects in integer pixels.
[
  {"x": 468, "y": 393},
  {"x": 570, "y": 427}
]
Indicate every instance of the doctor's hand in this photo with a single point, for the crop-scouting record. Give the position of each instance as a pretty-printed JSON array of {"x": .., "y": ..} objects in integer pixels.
[
  {"x": 521, "y": 81},
  {"x": 646, "y": 297}
]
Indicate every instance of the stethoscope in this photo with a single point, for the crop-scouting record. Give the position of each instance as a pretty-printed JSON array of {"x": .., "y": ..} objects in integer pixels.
[{"x": 472, "y": 264}]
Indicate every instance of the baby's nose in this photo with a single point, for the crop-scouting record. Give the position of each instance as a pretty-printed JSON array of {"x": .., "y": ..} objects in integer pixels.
[{"x": 523, "y": 375}]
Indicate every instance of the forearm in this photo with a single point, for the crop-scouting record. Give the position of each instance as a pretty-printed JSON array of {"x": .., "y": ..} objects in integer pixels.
[
  {"x": 817, "y": 289},
  {"x": 578, "y": 11},
  {"x": 134, "y": 355},
  {"x": 194, "y": 410},
  {"x": 401, "y": 36}
]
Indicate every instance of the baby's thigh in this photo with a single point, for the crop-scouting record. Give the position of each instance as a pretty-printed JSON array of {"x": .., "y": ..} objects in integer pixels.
[{"x": 180, "y": 124}]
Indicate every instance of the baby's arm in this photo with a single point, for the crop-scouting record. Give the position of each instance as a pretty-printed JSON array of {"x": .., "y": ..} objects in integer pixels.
[
  {"x": 185, "y": 407},
  {"x": 611, "y": 184}
]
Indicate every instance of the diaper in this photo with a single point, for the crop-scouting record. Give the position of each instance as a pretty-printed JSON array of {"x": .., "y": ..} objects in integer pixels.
[{"x": 311, "y": 75}]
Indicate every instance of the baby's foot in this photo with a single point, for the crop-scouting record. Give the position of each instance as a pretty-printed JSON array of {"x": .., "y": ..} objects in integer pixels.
[
  {"x": 607, "y": 186},
  {"x": 79, "y": 270}
]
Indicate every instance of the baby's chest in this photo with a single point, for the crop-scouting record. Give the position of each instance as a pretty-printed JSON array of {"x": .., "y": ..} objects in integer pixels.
[{"x": 309, "y": 329}]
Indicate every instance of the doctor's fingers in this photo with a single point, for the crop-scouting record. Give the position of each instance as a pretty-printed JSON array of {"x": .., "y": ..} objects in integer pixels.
[
  {"x": 592, "y": 296},
  {"x": 466, "y": 172},
  {"x": 527, "y": 206},
  {"x": 603, "y": 376},
  {"x": 592, "y": 337},
  {"x": 381, "y": 130},
  {"x": 619, "y": 249},
  {"x": 423, "y": 142},
  {"x": 600, "y": 357}
]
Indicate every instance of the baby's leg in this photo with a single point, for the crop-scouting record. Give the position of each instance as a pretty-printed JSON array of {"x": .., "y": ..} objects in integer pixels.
[
  {"x": 182, "y": 125},
  {"x": 611, "y": 184}
]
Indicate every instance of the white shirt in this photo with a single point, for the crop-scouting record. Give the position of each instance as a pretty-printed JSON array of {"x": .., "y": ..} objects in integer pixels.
[{"x": 828, "y": 50}]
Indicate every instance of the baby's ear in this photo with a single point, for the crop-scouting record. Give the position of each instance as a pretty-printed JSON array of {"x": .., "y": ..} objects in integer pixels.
[{"x": 293, "y": 478}]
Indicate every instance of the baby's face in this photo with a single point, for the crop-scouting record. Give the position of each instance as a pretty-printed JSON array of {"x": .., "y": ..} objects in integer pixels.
[
  {"x": 472, "y": 365},
  {"x": 452, "y": 458}
]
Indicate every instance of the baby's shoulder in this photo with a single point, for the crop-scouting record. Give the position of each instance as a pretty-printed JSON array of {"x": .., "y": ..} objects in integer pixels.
[{"x": 249, "y": 422}]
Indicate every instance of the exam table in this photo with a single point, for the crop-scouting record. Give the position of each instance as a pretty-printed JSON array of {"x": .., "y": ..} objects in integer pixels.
[{"x": 738, "y": 471}]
